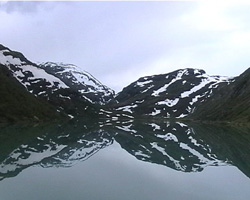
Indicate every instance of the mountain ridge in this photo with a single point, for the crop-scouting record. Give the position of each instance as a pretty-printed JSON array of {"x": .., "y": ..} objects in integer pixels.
[
  {"x": 60, "y": 93},
  {"x": 229, "y": 103},
  {"x": 171, "y": 95},
  {"x": 17, "y": 104},
  {"x": 182, "y": 94},
  {"x": 79, "y": 81}
]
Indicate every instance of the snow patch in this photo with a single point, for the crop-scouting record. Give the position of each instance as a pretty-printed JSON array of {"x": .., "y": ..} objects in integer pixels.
[
  {"x": 127, "y": 108},
  {"x": 9, "y": 60},
  {"x": 164, "y": 88},
  {"x": 168, "y": 102},
  {"x": 155, "y": 112},
  {"x": 140, "y": 153},
  {"x": 142, "y": 84},
  {"x": 126, "y": 128},
  {"x": 182, "y": 116},
  {"x": 71, "y": 116},
  {"x": 151, "y": 86},
  {"x": 155, "y": 126},
  {"x": 167, "y": 137}
]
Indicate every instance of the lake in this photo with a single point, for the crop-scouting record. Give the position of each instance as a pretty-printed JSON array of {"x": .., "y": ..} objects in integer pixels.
[{"x": 125, "y": 160}]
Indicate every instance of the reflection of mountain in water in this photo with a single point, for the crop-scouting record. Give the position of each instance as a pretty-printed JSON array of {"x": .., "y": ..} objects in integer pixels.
[
  {"x": 54, "y": 146},
  {"x": 228, "y": 143},
  {"x": 186, "y": 149},
  {"x": 174, "y": 145}
]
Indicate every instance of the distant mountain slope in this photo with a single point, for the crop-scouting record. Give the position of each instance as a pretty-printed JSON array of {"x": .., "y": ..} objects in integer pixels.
[
  {"x": 17, "y": 104},
  {"x": 172, "y": 95},
  {"x": 32, "y": 77},
  {"x": 70, "y": 90},
  {"x": 80, "y": 81},
  {"x": 229, "y": 103}
]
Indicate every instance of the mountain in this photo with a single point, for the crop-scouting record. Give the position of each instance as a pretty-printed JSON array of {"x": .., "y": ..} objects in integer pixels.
[
  {"x": 32, "y": 77},
  {"x": 16, "y": 103},
  {"x": 67, "y": 88},
  {"x": 172, "y": 95},
  {"x": 229, "y": 103},
  {"x": 80, "y": 81}
]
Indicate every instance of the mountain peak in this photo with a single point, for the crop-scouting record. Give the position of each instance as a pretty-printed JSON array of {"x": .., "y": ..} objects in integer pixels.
[
  {"x": 69, "y": 89},
  {"x": 80, "y": 81},
  {"x": 8, "y": 56},
  {"x": 177, "y": 94},
  {"x": 171, "y": 95}
]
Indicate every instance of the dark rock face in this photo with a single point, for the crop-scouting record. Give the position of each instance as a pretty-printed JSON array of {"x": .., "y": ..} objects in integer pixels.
[
  {"x": 68, "y": 89},
  {"x": 17, "y": 104},
  {"x": 80, "y": 81},
  {"x": 172, "y": 95},
  {"x": 228, "y": 103}
]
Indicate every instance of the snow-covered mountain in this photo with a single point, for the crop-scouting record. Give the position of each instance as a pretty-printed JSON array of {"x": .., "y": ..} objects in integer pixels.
[
  {"x": 229, "y": 103},
  {"x": 69, "y": 89},
  {"x": 172, "y": 95},
  {"x": 36, "y": 80},
  {"x": 179, "y": 94},
  {"x": 80, "y": 81}
]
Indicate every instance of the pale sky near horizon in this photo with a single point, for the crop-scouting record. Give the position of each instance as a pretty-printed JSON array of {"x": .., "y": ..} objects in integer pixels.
[{"x": 118, "y": 42}]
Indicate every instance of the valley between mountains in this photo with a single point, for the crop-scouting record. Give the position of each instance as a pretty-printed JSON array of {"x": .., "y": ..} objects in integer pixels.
[{"x": 49, "y": 91}]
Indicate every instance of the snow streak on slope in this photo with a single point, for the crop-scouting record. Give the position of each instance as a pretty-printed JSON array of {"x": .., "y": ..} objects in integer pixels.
[
  {"x": 164, "y": 88},
  {"x": 172, "y": 95},
  {"x": 66, "y": 87},
  {"x": 28, "y": 74},
  {"x": 57, "y": 81}
]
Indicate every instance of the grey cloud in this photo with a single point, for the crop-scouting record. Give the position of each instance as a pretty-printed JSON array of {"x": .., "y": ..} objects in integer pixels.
[
  {"x": 28, "y": 7},
  {"x": 119, "y": 41},
  {"x": 20, "y": 6}
]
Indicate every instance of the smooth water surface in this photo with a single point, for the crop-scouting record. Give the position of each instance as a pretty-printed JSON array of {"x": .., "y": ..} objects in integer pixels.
[{"x": 124, "y": 160}]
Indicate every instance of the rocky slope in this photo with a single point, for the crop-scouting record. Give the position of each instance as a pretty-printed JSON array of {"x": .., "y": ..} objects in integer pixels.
[
  {"x": 80, "y": 81},
  {"x": 229, "y": 103},
  {"x": 172, "y": 95},
  {"x": 17, "y": 104},
  {"x": 67, "y": 88}
]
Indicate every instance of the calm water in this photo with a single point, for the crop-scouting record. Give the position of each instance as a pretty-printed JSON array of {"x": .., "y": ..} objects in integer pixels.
[{"x": 124, "y": 161}]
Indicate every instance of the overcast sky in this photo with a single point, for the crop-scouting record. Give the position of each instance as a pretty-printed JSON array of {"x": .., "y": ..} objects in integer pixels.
[{"x": 118, "y": 42}]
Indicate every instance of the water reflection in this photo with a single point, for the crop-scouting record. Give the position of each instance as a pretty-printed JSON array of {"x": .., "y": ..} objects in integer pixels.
[
  {"x": 187, "y": 148},
  {"x": 48, "y": 146},
  {"x": 174, "y": 145}
]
